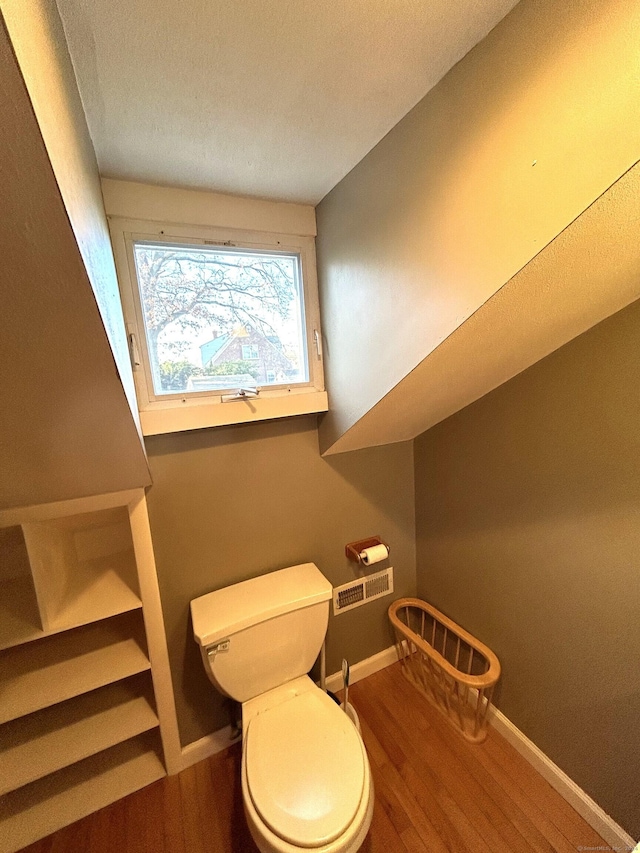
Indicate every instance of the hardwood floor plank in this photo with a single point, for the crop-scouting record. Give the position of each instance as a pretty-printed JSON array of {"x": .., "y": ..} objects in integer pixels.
[
  {"x": 523, "y": 813},
  {"x": 382, "y": 836},
  {"x": 455, "y": 760},
  {"x": 389, "y": 776},
  {"x": 424, "y": 798},
  {"x": 563, "y": 815},
  {"x": 412, "y": 842},
  {"x": 226, "y": 769},
  {"x": 490, "y": 822},
  {"x": 455, "y": 827},
  {"x": 172, "y": 822},
  {"x": 144, "y": 820},
  {"x": 193, "y": 837},
  {"x": 107, "y": 828},
  {"x": 555, "y": 836},
  {"x": 73, "y": 837},
  {"x": 210, "y": 814},
  {"x": 386, "y": 798}
]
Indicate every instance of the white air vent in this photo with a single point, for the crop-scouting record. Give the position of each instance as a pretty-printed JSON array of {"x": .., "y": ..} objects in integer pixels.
[{"x": 358, "y": 592}]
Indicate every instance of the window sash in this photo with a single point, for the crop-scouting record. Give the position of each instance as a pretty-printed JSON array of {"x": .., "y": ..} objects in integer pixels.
[
  {"x": 126, "y": 232},
  {"x": 151, "y": 378}
]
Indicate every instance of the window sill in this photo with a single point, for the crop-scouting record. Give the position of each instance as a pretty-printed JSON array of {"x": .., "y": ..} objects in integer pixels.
[{"x": 202, "y": 415}]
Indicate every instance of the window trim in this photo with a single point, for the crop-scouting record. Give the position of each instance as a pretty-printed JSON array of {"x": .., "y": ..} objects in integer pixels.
[{"x": 176, "y": 412}]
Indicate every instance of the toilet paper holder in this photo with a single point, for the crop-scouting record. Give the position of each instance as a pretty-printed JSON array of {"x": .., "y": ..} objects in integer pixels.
[{"x": 353, "y": 549}]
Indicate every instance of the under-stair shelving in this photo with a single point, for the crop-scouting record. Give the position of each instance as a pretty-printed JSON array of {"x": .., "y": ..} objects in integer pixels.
[
  {"x": 77, "y": 790},
  {"x": 36, "y": 745},
  {"x": 86, "y": 705}
]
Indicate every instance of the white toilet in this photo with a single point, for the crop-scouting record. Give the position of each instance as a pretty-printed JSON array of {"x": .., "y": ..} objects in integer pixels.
[{"x": 306, "y": 780}]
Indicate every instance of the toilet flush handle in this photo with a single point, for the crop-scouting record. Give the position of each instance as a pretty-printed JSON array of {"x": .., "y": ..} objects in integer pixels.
[{"x": 217, "y": 648}]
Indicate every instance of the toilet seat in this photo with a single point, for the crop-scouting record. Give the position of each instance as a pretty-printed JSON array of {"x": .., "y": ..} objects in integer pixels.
[{"x": 305, "y": 769}]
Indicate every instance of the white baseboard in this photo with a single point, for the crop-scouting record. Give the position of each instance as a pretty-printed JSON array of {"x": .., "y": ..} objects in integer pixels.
[
  {"x": 207, "y": 746},
  {"x": 364, "y": 668},
  {"x": 586, "y": 807}
]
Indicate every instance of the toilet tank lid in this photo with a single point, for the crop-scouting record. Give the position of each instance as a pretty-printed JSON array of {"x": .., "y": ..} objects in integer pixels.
[{"x": 226, "y": 611}]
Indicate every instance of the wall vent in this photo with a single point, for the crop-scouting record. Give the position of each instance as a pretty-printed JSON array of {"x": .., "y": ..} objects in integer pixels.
[{"x": 362, "y": 590}]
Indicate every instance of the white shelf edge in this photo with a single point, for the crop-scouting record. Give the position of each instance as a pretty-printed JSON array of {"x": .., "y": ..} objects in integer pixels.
[
  {"x": 35, "y": 689},
  {"x": 43, "y": 807},
  {"x": 41, "y": 633},
  {"x": 75, "y": 506},
  {"x": 176, "y": 419},
  {"x": 74, "y": 739}
]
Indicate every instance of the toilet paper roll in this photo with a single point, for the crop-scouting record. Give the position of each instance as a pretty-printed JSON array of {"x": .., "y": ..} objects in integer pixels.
[{"x": 374, "y": 554}]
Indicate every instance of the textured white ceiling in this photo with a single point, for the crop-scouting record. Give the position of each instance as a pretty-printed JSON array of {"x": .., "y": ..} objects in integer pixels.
[{"x": 274, "y": 99}]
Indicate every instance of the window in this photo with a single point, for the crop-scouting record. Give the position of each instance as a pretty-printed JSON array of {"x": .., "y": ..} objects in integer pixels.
[
  {"x": 212, "y": 316},
  {"x": 250, "y": 352}
]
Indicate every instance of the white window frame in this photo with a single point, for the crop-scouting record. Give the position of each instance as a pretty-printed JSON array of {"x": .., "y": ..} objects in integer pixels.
[{"x": 194, "y": 410}]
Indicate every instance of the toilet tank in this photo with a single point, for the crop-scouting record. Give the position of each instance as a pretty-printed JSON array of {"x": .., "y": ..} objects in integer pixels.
[{"x": 264, "y": 632}]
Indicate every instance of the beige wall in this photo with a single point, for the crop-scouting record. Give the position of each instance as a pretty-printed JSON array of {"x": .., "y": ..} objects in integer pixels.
[
  {"x": 38, "y": 40},
  {"x": 509, "y": 148},
  {"x": 66, "y": 430},
  {"x": 229, "y": 504},
  {"x": 528, "y": 534}
]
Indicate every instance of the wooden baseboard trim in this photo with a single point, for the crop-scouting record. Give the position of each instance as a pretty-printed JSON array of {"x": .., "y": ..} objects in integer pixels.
[
  {"x": 587, "y": 808},
  {"x": 364, "y": 668}
]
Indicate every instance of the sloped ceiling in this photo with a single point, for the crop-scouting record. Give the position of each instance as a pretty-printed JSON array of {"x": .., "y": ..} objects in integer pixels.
[
  {"x": 591, "y": 270},
  {"x": 504, "y": 154},
  {"x": 275, "y": 100},
  {"x": 66, "y": 429},
  {"x": 38, "y": 40}
]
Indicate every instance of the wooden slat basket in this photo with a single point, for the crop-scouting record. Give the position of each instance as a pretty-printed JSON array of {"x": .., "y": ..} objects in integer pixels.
[{"x": 456, "y": 672}]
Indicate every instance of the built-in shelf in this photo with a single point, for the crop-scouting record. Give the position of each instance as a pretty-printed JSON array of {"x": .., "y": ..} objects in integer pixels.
[
  {"x": 58, "y": 574},
  {"x": 40, "y": 808},
  {"x": 96, "y": 597},
  {"x": 34, "y": 746},
  {"x": 83, "y": 566},
  {"x": 43, "y": 673},
  {"x": 19, "y": 618},
  {"x": 82, "y": 714}
]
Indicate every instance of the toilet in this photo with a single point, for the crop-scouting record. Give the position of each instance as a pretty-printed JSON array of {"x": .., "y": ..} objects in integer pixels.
[{"x": 306, "y": 780}]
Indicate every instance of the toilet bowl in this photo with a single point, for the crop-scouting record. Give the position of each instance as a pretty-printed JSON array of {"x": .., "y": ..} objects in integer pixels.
[{"x": 306, "y": 779}]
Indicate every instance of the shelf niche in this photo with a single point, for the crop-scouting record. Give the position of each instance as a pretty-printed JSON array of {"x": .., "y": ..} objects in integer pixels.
[
  {"x": 65, "y": 572},
  {"x": 83, "y": 567}
]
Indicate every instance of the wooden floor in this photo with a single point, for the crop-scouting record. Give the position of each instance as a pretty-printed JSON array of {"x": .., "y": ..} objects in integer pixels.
[{"x": 434, "y": 792}]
